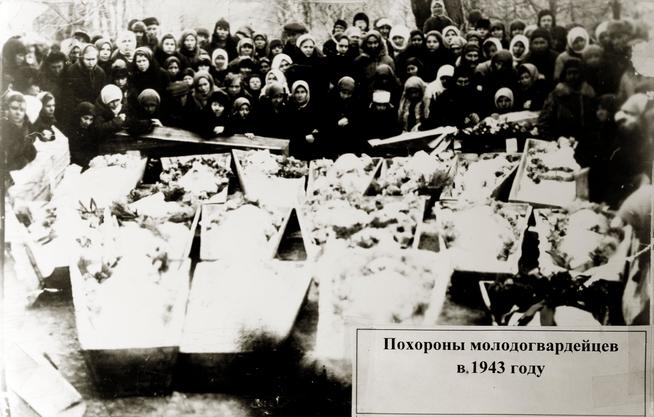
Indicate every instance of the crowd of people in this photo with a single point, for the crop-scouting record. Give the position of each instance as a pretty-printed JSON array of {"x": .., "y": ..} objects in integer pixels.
[{"x": 369, "y": 80}]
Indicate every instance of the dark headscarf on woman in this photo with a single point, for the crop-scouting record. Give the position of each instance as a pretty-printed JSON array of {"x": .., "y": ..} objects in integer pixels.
[
  {"x": 433, "y": 60},
  {"x": 228, "y": 44}
]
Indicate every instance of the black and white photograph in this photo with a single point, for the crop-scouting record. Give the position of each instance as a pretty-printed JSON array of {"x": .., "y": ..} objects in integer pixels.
[{"x": 205, "y": 201}]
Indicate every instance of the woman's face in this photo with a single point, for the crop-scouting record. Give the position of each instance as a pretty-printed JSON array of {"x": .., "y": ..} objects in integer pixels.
[
  {"x": 276, "y": 50},
  {"x": 432, "y": 43},
  {"x": 300, "y": 95},
  {"x": 114, "y": 105},
  {"x": 385, "y": 31},
  {"x": 73, "y": 56},
  {"x": 277, "y": 100},
  {"x": 416, "y": 40},
  {"x": 449, "y": 35},
  {"x": 264, "y": 67},
  {"x": 255, "y": 84},
  {"x": 498, "y": 33},
  {"x": 217, "y": 108},
  {"x": 411, "y": 70},
  {"x": 189, "y": 80},
  {"x": 234, "y": 88},
  {"x": 503, "y": 103},
  {"x": 546, "y": 22},
  {"x": 399, "y": 41},
  {"x": 518, "y": 49},
  {"x": 462, "y": 81},
  {"x": 539, "y": 45},
  {"x": 246, "y": 50},
  {"x": 121, "y": 82},
  {"x": 86, "y": 121},
  {"x": 372, "y": 43},
  {"x": 361, "y": 24},
  {"x": 173, "y": 69},
  {"x": 260, "y": 42},
  {"x": 222, "y": 33},
  {"x": 602, "y": 115},
  {"x": 220, "y": 61},
  {"x": 579, "y": 44},
  {"x": 491, "y": 49},
  {"x": 573, "y": 76},
  {"x": 283, "y": 65},
  {"x": 139, "y": 34},
  {"x": 16, "y": 112},
  {"x": 345, "y": 93},
  {"x": 307, "y": 48},
  {"x": 90, "y": 58},
  {"x": 472, "y": 56},
  {"x": 190, "y": 42},
  {"x": 150, "y": 108},
  {"x": 244, "y": 111},
  {"x": 525, "y": 80},
  {"x": 20, "y": 59},
  {"x": 168, "y": 46},
  {"x": 204, "y": 86},
  {"x": 355, "y": 39},
  {"x": 142, "y": 63},
  {"x": 105, "y": 52},
  {"x": 270, "y": 77},
  {"x": 342, "y": 46},
  {"x": 49, "y": 108}
]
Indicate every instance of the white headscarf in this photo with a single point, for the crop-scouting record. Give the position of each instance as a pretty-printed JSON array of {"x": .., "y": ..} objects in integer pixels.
[
  {"x": 401, "y": 31},
  {"x": 435, "y": 88},
  {"x": 525, "y": 42},
  {"x": 216, "y": 53},
  {"x": 578, "y": 32},
  {"x": 277, "y": 60}
]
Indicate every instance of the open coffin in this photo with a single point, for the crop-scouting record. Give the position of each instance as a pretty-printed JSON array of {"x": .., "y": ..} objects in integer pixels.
[
  {"x": 130, "y": 287},
  {"x": 239, "y": 319},
  {"x": 548, "y": 175},
  {"x": 484, "y": 237},
  {"x": 376, "y": 287},
  {"x": 274, "y": 180},
  {"x": 479, "y": 177}
]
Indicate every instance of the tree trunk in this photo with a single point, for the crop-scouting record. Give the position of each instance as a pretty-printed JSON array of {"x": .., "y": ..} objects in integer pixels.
[
  {"x": 422, "y": 10},
  {"x": 553, "y": 4},
  {"x": 616, "y": 8},
  {"x": 455, "y": 11}
]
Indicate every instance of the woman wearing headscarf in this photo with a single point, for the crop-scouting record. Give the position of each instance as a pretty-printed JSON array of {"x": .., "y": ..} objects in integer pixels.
[
  {"x": 17, "y": 147},
  {"x": 309, "y": 66},
  {"x": 498, "y": 31},
  {"x": 594, "y": 71},
  {"x": 435, "y": 56},
  {"x": 72, "y": 48},
  {"x": 441, "y": 83},
  {"x": 219, "y": 65},
  {"x": 541, "y": 53},
  {"x": 470, "y": 57},
  {"x": 355, "y": 35},
  {"x": 490, "y": 47},
  {"x": 460, "y": 104},
  {"x": 399, "y": 39},
  {"x": 455, "y": 46},
  {"x": 415, "y": 49},
  {"x": 519, "y": 49},
  {"x": 578, "y": 41},
  {"x": 379, "y": 119},
  {"x": 13, "y": 62},
  {"x": 273, "y": 116},
  {"x": 242, "y": 118},
  {"x": 570, "y": 108},
  {"x": 188, "y": 48},
  {"x": 504, "y": 101},
  {"x": 414, "y": 104},
  {"x": 385, "y": 80},
  {"x": 373, "y": 55},
  {"x": 82, "y": 135},
  {"x": 223, "y": 39},
  {"x": 450, "y": 32},
  {"x": 47, "y": 119},
  {"x": 145, "y": 114},
  {"x": 173, "y": 66},
  {"x": 517, "y": 27},
  {"x": 438, "y": 19},
  {"x": 125, "y": 47},
  {"x": 214, "y": 120},
  {"x": 110, "y": 111},
  {"x": 51, "y": 76},
  {"x": 281, "y": 62},
  {"x": 146, "y": 74},
  {"x": 260, "y": 45},
  {"x": 341, "y": 62},
  {"x": 275, "y": 75},
  {"x": 105, "y": 49},
  {"x": 203, "y": 87},
  {"x": 168, "y": 48},
  {"x": 532, "y": 88},
  {"x": 305, "y": 122},
  {"x": 235, "y": 89},
  {"x": 342, "y": 121}
]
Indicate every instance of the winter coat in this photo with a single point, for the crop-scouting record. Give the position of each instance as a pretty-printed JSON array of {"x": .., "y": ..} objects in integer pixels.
[{"x": 568, "y": 112}]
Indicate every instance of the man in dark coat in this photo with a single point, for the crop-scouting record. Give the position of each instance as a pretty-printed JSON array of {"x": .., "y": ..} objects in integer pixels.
[{"x": 84, "y": 79}]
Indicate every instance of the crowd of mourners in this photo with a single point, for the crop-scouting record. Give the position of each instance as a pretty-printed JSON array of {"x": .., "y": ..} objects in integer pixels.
[{"x": 328, "y": 97}]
